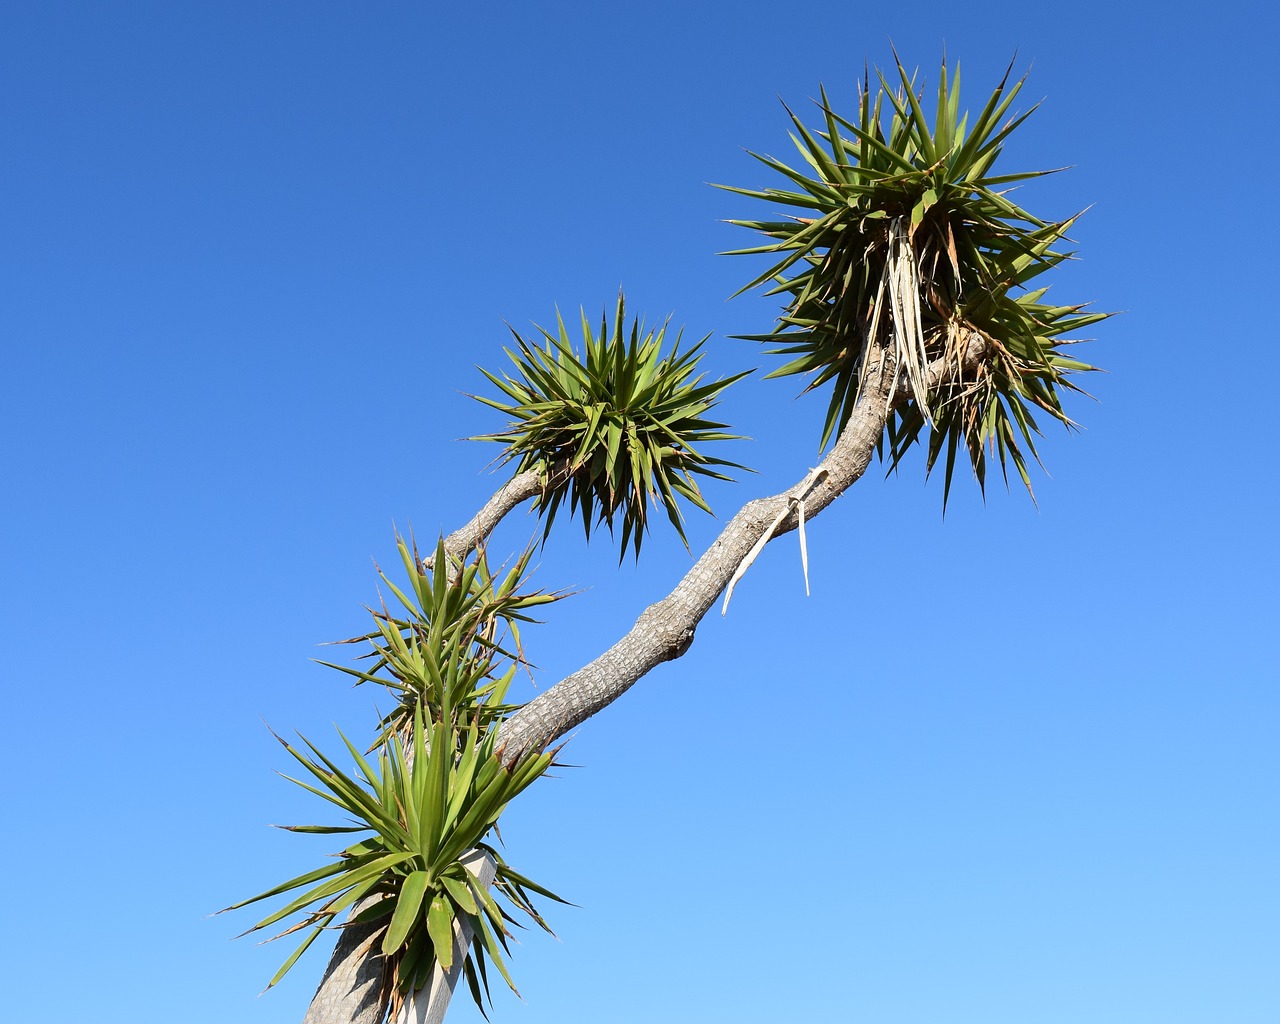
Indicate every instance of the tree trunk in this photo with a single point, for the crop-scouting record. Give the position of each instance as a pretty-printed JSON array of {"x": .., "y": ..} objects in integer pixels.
[{"x": 353, "y": 987}]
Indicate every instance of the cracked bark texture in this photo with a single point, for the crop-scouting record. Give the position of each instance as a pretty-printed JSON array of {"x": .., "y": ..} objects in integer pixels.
[{"x": 663, "y": 632}]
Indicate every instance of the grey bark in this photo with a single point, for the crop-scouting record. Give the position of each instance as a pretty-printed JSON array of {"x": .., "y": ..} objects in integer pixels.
[
  {"x": 665, "y": 630},
  {"x": 353, "y": 986},
  {"x": 515, "y": 492}
]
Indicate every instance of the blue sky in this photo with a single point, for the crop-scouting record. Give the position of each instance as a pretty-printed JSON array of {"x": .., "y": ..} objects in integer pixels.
[{"x": 1013, "y": 765}]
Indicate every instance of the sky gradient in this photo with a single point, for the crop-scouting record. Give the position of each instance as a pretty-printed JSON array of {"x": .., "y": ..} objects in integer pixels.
[{"x": 1013, "y": 765}]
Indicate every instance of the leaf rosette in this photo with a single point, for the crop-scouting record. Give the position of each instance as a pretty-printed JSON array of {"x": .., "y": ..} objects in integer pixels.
[
  {"x": 909, "y": 251},
  {"x": 452, "y": 644},
  {"x": 428, "y": 804},
  {"x": 612, "y": 427}
]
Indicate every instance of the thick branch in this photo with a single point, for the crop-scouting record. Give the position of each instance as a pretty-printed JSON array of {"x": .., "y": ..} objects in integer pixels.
[{"x": 663, "y": 632}]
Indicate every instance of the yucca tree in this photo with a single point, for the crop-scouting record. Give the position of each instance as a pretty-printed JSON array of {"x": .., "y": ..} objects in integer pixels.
[
  {"x": 912, "y": 288},
  {"x": 905, "y": 241}
]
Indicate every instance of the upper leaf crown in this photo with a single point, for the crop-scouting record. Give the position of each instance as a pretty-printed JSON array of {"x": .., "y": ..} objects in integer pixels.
[{"x": 908, "y": 245}]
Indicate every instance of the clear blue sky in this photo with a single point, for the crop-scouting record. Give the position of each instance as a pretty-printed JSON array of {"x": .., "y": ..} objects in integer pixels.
[{"x": 1013, "y": 766}]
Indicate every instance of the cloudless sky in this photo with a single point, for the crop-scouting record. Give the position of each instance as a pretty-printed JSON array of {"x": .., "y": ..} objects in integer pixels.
[{"x": 1012, "y": 765}]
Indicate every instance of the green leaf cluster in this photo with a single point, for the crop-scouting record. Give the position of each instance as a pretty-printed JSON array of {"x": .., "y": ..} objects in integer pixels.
[
  {"x": 906, "y": 241},
  {"x": 427, "y": 805},
  {"x": 431, "y": 789},
  {"x": 612, "y": 428},
  {"x": 453, "y": 645}
]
